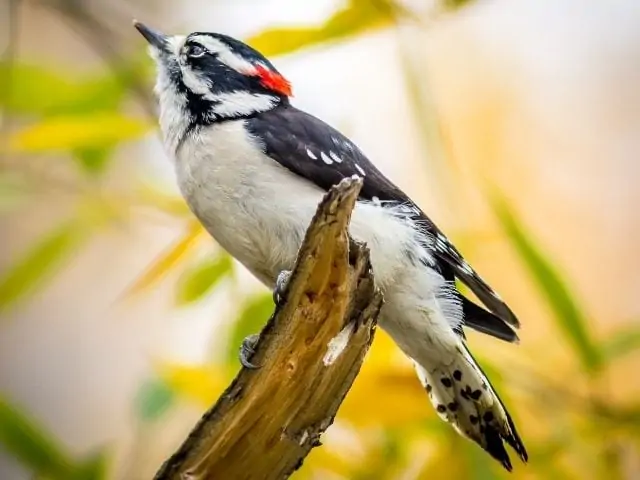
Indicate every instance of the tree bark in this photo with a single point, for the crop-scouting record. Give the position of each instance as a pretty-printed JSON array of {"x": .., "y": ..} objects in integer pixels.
[{"x": 309, "y": 353}]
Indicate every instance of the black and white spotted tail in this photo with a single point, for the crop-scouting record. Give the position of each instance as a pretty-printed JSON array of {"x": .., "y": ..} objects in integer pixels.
[{"x": 462, "y": 395}]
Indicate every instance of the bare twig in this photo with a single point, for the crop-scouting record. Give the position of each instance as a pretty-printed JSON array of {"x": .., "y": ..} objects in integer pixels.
[{"x": 310, "y": 352}]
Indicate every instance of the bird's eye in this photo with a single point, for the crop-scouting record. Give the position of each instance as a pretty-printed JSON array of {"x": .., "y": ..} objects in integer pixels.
[{"x": 196, "y": 51}]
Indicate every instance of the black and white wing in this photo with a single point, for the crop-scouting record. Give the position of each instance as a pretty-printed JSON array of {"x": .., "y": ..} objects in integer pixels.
[{"x": 317, "y": 152}]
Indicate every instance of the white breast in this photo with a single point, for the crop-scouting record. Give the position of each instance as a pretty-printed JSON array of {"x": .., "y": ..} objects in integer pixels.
[{"x": 259, "y": 211}]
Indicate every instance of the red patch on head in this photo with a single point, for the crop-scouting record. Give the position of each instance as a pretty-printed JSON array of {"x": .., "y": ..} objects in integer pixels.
[{"x": 273, "y": 81}]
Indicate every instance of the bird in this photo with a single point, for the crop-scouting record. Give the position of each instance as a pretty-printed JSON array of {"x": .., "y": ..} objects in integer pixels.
[{"x": 253, "y": 168}]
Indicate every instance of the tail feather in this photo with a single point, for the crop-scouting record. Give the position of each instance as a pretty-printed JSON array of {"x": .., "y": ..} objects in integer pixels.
[
  {"x": 463, "y": 396},
  {"x": 486, "y": 322}
]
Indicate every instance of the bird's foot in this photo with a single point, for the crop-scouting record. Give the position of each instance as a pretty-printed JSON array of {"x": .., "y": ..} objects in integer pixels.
[
  {"x": 247, "y": 349},
  {"x": 281, "y": 286}
]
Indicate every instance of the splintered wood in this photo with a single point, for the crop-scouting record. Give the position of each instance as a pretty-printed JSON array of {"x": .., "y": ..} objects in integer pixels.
[{"x": 309, "y": 353}]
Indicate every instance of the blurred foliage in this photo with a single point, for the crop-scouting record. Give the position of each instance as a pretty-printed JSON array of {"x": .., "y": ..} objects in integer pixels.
[
  {"x": 31, "y": 445},
  {"x": 195, "y": 282},
  {"x": 171, "y": 258},
  {"x": 154, "y": 398},
  {"x": 39, "y": 261},
  {"x": 41, "y": 452},
  {"x": 571, "y": 320},
  {"x": 253, "y": 316},
  {"x": 386, "y": 428},
  {"x": 623, "y": 342},
  {"x": 202, "y": 384},
  {"x": 453, "y": 4},
  {"x": 90, "y": 132},
  {"x": 63, "y": 95},
  {"x": 357, "y": 17}
]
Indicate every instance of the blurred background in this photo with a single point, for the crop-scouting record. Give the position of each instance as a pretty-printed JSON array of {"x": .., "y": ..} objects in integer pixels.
[{"x": 514, "y": 123}]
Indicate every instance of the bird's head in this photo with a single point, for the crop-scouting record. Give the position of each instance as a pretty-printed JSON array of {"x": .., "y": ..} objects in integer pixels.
[{"x": 207, "y": 77}]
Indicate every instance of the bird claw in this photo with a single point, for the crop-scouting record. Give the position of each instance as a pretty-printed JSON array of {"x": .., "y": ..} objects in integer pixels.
[
  {"x": 281, "y": 286},
  {"x": 247, "y": 349}
]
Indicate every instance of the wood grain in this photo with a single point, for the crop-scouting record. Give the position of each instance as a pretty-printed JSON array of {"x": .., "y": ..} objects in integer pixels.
[{"x": 269, "y": 419}]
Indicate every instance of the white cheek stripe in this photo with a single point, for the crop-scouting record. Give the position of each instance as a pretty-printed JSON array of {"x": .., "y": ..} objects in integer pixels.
[{"x": 241, "y": 103}]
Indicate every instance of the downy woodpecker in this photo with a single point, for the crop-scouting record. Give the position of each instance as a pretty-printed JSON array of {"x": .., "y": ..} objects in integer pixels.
[{"x": 253, "y": 169}]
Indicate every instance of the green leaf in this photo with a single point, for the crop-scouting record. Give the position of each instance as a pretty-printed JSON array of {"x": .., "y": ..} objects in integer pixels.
[
  {"x": 93, "y": 95},
  {"x": 40, "y": 261},
  {"x": 569, "y": 318},
  {"x": 154, "y": 398},
  {"x": 358, "y": 17},
  {"x": 156, "y": 196},
  {"x": 621, "y": 343},
  {"x": 95, "y": 131},
  {"x": 252, "y": 319},
  {"x": 93, "y": 160},
  {"x": 33, "y": 90},
  {"x": 196, "y": 282},
  {"x": 31, "y": 445},
  {"x": 167, "y": 261},
  {"x": 94, "y": 468},
  {"x": 455, "y": 4}
]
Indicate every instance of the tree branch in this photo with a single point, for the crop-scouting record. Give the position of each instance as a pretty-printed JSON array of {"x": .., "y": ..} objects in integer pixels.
[{"x": 310, "y": 351}]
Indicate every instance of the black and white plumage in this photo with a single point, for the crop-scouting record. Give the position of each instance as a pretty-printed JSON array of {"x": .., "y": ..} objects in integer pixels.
[
  {"x": 334, "y": 157},
  {"x": 253, "y": 168}
]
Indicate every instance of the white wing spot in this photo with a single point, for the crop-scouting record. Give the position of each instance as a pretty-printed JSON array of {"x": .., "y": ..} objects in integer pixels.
[
  {"x": 335, "y": 157},
  {"x": 325, "y": 158},
  {"x": 345, "y": 144},
  {"x": 376, "y": 201},
  {"x": 311, "y": 155},
  {"x": 360, "y": 169}
]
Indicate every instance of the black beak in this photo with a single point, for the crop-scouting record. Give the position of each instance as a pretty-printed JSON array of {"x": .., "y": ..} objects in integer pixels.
[{"x": 155, "y": 38}]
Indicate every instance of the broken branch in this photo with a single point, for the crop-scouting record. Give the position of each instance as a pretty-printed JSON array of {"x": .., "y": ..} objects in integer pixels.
[{"x": 309, "y": 352}]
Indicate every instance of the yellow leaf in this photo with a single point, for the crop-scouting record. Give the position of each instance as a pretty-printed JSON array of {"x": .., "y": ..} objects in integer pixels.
[
  {"x": 77, "y": 132},
  {"x": 387, "y": 391},
  {"x": 330, "y": 458},
  {"x": 168, "y": 260},
  {"x": 202, "y": 384},
  {"x": 358, "y": 17},
  {"x": 168, "y": 203}
]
